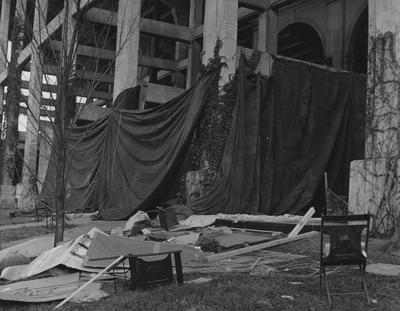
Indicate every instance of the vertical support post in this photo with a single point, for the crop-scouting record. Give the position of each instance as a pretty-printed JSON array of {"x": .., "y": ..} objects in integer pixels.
[
  {"x": 178, "y": 267},
  {"x": 13, "y": 99},
  {"x": 194, "y": 61},
  {"x": 4, "y": 29},
  {"x": 268, "y": 32},
  {"x": 334, "y": 39},
  {"x": 29, "y": 172},
  {"x": 127, "y": 51},
  {"x": 46, "y": 138},
  {"x": 220, "y": 23}
]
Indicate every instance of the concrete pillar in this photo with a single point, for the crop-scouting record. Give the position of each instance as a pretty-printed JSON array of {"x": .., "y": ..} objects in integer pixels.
[
  {"x": 4, "y": 28},
  {"x": 127, "y": 51},
  {"x": 7, "y": 195},
  {"x": 374, "y": 182},
  {"x": 335, "y": 32},
  {"x": 194, "y": 51},
  {"x": 268, "y": 32},
  {"x": 46, "y": 139},
  {"x": 26, "y": 199},
  {"x": 220, "y": 22}
]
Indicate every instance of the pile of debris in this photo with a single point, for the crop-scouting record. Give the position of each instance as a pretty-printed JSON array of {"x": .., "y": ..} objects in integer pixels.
[{"x": 68, "y": 271}]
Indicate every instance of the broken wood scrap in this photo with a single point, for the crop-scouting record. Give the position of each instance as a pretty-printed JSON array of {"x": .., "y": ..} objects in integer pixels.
[
  {"x": 255, "y": 263},
  {"x": 267, "y": 232},
  {"x": 256, "y": 247},
  {"x": 97, "y": 276},
  {"x": 296, "y": 230},
  {"x": 239, "y": 239}
]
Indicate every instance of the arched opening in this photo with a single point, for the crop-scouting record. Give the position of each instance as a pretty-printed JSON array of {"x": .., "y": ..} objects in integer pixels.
[
  {"x": 301, "y": 41},
  {"x": 356, "y": 58}
]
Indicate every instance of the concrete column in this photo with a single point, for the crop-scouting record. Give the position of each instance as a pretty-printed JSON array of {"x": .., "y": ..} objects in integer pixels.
[
  {"x": 26, "y": 199},
  {"x": 374, "y": 182},
  {"x": 335, "y": 31},
  {"x": 4, "y": 28},
  {"x": 220, "y": 22},
  {"x": 46, "y": 139},
  {"x": 268, "y": 32},
  {"x": 194, "y": 51},
  {"x": 7, "y": 196},
  {"x": 127, "y": 51}
]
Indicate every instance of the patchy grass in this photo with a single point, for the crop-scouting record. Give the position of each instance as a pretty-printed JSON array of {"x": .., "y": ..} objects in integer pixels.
[
  {"x": 239, "y": 292},
  {"x": 5, "y": 219},
  {"x": 10, "y": 235},
  {"x": 242, "y": 291}
]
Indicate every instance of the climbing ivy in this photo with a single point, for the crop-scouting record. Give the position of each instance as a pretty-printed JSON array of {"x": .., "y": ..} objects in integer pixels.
[{"x": 207, "y": 147}]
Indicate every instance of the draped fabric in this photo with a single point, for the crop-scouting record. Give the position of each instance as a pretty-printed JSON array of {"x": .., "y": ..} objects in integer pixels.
[
  {"x": 128, "y": 160},
  {"x": 287, "y": 130}
]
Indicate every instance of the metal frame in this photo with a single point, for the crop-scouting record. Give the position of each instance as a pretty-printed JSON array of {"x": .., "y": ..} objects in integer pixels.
[{"x": 360, "y": 260}]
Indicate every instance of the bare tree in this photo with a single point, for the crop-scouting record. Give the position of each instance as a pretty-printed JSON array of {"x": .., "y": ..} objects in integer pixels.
[{"x": 57, "y": 50}]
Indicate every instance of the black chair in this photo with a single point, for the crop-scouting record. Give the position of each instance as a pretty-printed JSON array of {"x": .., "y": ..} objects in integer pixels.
[
  {"x": 145, "y": 273},
  {"x": 347, "y": 245}
]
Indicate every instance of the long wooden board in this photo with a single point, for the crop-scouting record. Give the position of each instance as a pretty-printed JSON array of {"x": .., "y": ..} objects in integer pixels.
[{"x": 257, "y": 247}]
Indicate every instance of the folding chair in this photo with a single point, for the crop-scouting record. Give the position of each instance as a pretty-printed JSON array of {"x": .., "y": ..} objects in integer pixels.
[{"x": 347, "y": 245}]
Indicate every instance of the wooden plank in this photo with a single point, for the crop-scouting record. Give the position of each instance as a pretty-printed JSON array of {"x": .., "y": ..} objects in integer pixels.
[
  {"x": 302, "y": 222},
  {"x": 89, "y": 51},
  {"x": 160, "y": 63},
  {"x": 198, "y": 32},
  {"x": 257, "y": 247},
  {"x": 47, "y": 69},
  {"x": 149, "y": 26},
  {"x": 161, "y": 94},
  {"x": 44, "y": 88},
  {"x": 93, "y": 94},
  {"x": 95, "y": 76},
  {"x": 102, "y": 16},
  {"x": 157, "y": 28},
  {"x": 98, "y": 275}
]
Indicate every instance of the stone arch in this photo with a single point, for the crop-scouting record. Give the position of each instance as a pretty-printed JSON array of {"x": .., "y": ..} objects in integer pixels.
[
  {"x": 357, "y": 44},
  {"x": 302, "y": 41}
]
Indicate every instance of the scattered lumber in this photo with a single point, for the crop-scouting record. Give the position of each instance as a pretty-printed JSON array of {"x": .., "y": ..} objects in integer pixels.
[
  {"x": 296, "y": 230},
  {"x": 257, "y": 247},
  {"x": 98, "y": 275},
  {"x": 293, "y": 236}
]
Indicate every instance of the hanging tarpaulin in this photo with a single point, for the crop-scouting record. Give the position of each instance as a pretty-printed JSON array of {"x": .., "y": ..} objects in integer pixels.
[
  {"x": 129, "y": 159},
  {"x": 287, "y": 130}
]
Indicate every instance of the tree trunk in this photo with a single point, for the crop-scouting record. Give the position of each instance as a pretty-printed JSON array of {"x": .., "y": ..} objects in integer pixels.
[{"x": 60, "y": 192}]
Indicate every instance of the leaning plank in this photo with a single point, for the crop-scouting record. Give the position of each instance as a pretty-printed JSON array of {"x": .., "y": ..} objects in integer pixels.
[
  {"x": 98, "y": 275},
  {"x": 257, "y": 247},
  {"x": 296, "y": 230}
]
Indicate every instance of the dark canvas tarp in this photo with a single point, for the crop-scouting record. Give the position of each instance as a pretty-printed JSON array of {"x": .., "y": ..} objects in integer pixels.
[
  {"x": 286, "y": 131},
  {"x": 128, "y": 160}
]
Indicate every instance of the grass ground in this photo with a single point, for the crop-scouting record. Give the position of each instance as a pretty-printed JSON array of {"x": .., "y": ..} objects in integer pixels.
[
  {"x": 20, "y": 219},
  {"x": 242, "y": 291},
  {"x": 235, "y": 291},
  {"x": 7, "y": 236}
]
